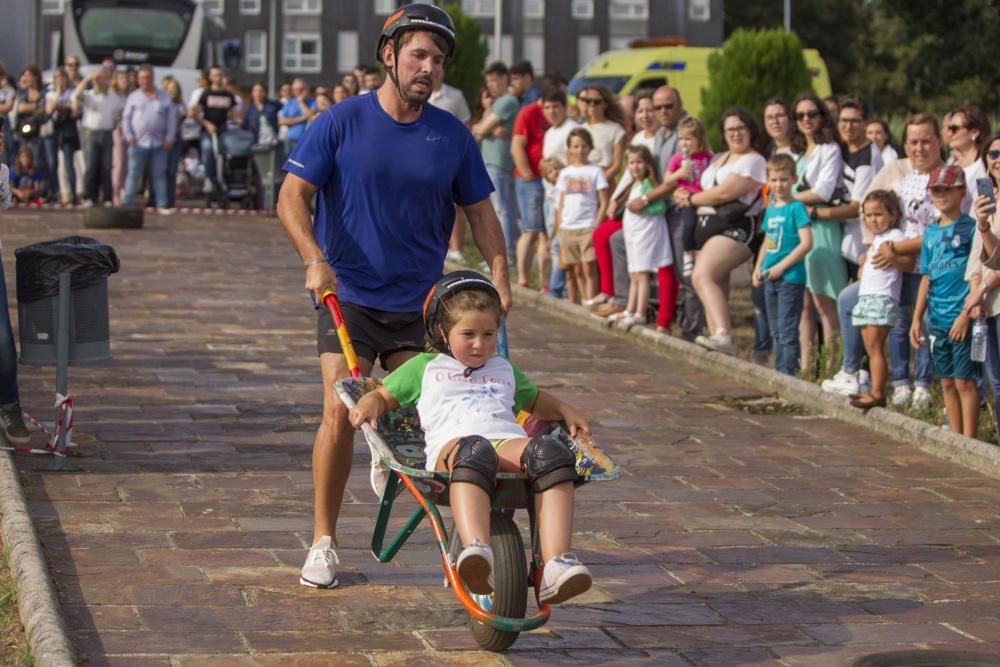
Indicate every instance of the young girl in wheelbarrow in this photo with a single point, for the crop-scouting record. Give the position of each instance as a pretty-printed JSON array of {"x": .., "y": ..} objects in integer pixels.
[{"x": 467, "y": 397}]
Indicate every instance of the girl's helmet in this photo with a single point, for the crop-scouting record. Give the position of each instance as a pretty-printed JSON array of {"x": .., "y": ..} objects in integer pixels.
[
  {"x": 445, "y": 288},
  {"x": 416, "y": 16}
]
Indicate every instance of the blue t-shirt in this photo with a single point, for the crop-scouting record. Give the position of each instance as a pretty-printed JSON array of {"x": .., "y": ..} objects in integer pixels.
[
  {"x": 291, "y": 109},
  {"x": 781, "y": 229},
  {"x": 387, "y": 196},
  {"x": 944, "y": 254}
]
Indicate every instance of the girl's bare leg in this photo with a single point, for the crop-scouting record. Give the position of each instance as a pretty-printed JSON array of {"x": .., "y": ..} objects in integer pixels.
[
  {"x": 470, "y": 505},
  {"x": 589, "y": 278},
  {"x": 874, "y": 338},
  {"x": 642, "y": 293}
]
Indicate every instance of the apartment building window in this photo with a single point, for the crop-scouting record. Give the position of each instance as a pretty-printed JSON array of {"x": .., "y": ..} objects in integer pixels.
[
  {"x": 53, "y": 6},
  {"x": 588, "y": 47},
  {"x": 347, "y": 50},
  {"x": 385, "y": 7},
  {"x": 302, "y": 52},
  {"x": 250, "y": 7},
  {"x": 534, "y": 51},
  {"x": 214, "y": 7},
  {"x": 506, "y": 53},
  {"x": 582, "y": 9},
  {"x": 479, "y": 8},
  {"x": 534, "y": 9},
  {"x": 255, "y": 51},
  {"x": 700, "y": 10},
  {"x": 303, "y": 7},
  {"x": 628, "y": 9}
]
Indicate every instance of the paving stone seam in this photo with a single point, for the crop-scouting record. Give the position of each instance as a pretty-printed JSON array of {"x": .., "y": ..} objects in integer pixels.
[
  {"x": 37, "y": 603},
  {"x": 931, "y": 438}
]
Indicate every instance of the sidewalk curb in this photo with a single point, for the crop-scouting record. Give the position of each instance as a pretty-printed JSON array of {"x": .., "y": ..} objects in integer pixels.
[
  {"x": 931, "y": 438},
  {"x": 36, "y": 597}
]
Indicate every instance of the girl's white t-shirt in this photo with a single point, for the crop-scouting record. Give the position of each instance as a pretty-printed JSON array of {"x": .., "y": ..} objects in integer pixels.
[
  {"x": 554, "y": 143},
  {"x": 454, "y": 401},
  {"x": 885, "y": 282},
  {"x": 749, "y": 165},
  {"x": 605, "y": 134},
  {"x": 578, "y": 187}
]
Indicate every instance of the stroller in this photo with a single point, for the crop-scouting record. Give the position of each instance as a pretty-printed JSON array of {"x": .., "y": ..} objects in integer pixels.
[{"x": 235, "y": 172}]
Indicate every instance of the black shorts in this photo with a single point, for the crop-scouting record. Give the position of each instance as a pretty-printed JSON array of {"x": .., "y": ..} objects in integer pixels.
[
  {"x": 375, "y": 334},
  {"x": 741, "y": 231}
]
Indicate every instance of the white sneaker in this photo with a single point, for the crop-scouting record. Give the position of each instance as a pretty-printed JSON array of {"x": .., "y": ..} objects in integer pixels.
[
  {"x": 614, "y": 318},
  {"x": 456, "y": 256},
  {"x": 597, "y": 300},
  {"x": 901, "y": 396},
  {"x": 564, "y": 577},
  {"x": 921, "y": 399},
  {"x": 475, "y": 568},
  {"x": 720, "y": 342},
  {"x": 864, "y": 382},
  {"x": 166, "y": 211},
  {"x": 320, "y": 570},
  {"x": 630, "y": 320},
  {"x": 842, "y": 383},
  {"x": 688, "y": 267}
]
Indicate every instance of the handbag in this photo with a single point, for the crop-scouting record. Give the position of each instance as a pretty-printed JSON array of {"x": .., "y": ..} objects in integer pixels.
[{"x": 30, "y": 127}]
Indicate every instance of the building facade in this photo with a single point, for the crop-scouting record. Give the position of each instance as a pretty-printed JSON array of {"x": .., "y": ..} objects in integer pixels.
[{"x": 319, "y": 40}]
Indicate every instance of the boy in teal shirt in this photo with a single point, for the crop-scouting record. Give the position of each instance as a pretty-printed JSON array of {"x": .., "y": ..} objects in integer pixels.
[
  {"x": 788, "y": 238},
  {"x": 944, "y": 253}
]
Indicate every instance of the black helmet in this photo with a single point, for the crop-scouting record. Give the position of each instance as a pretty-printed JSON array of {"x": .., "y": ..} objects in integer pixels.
[
  {"x": 417, "y": 16},
  {"x": 451, "y": 284}
]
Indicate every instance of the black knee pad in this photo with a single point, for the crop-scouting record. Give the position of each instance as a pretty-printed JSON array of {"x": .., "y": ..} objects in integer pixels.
[
  {"x": 547, "y": 461},
  {"x": 476, "y": 462}
]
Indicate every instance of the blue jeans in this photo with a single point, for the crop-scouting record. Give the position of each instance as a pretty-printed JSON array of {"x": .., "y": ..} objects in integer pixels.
[
  {"x": 138, "y": 157},
  {"x": 505, "y": 203},
  {"x": 899, "y": 340},
  {"x": 762, "y": 332},
  {"x": 784, "y": 309},
  {"x": 8, "y": 353},
  {"x": 208, "y": 159},
  {"x": 992, "y": 364},
  {"x": 173, "y": 163},
  {"x": 530, "y": 195},
  {"x": 557, "y": 278},
  {"x": 51, "y": 165},
  {"x": 854, "y": 346}
]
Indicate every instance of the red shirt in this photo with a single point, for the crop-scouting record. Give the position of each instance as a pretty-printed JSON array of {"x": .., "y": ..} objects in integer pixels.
[{"x": 531, "y": 123}]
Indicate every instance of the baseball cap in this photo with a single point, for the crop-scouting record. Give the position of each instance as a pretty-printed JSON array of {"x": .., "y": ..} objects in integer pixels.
[{"x": 948, "y": 176}]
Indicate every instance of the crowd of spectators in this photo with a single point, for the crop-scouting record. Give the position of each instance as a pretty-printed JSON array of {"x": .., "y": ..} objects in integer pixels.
[{"x": 104, "y": 138}]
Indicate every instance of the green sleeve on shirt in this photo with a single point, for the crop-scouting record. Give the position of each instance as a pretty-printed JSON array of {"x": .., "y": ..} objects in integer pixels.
[
  {"x": 505, "y": 108},
  {"x": 404, "y": 383},
  {"x": 525, "y": 390}
]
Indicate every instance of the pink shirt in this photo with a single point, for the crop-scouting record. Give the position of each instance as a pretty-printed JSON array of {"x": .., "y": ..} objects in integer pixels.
[{"x": 699, "y": 162}]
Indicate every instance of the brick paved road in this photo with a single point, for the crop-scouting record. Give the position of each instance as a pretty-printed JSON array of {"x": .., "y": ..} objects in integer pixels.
[{"x": 735, "y": 538}]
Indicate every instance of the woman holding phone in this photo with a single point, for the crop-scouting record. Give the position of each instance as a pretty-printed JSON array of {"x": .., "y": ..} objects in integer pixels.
[{"x": 983, "y": 272}]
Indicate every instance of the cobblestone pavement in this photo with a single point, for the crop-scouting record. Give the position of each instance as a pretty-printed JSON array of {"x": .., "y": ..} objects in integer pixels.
[{"x": 738, "y": 536}]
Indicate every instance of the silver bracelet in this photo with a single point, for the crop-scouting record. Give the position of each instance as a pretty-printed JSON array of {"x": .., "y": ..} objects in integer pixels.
[{"x": 321, "y": 260}]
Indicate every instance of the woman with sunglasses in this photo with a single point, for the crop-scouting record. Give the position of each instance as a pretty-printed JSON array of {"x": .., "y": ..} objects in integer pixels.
[
  {"x": 64, "y": 143},
  {"x": 983, "y": 269},
  {"x": 727, "y": 209},
  {"x": 965, "y": 131},
  {"x": 819, "y": 184}
]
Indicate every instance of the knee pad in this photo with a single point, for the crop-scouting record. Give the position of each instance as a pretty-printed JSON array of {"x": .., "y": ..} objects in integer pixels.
[
  {"x": 476, "y": 462},
  {"x": 547, "y": 461}
]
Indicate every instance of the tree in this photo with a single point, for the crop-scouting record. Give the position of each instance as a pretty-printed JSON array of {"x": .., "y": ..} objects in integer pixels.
[
  {"x": 464, "y": 70},
  {"x": 751, "y": 67}
]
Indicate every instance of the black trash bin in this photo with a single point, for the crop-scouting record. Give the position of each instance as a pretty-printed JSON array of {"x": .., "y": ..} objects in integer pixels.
[{"x": 89, "y": 263}]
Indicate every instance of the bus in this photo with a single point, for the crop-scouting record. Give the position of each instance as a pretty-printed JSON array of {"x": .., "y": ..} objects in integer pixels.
[{"x": 176, "y": 37}]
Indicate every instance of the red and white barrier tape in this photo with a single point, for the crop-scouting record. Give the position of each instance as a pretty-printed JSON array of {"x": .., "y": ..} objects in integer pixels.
[
  {"x": 180, "y": 210},
  {"x": 64, "y": 422}
]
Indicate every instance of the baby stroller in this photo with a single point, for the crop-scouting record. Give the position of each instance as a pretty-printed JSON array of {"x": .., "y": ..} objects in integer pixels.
[{"x": 235, "y": 172}]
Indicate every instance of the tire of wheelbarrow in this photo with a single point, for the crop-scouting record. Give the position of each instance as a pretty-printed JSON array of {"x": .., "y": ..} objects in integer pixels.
[
  {"x": 510, "y": 583},
  {"x": 112, "y": 217}
]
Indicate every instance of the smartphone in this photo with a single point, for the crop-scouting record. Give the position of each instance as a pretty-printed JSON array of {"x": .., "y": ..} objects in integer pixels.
[{"x": 985, "y": 188}]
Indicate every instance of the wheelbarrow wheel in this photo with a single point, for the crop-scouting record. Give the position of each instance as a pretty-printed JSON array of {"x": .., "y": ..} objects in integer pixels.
[{"x": 510, "y": 583}]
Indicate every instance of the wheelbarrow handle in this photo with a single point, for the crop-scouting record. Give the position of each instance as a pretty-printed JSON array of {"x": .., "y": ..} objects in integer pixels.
[{"x": 330, "y": 300}]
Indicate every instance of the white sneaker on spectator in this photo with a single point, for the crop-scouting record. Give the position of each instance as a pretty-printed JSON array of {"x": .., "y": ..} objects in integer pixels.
[
  {"x": 630, "y": 320},
  {"x": 614, "y": 318},
  {"x": 921, "y": 399},
  {"x": 720, "y": 342},
  {"x": 166, "y": 211},
  {"x": 842, "y": 383},
  {"x": 597, "y": 300},
  {"x": 475, "y": 568},
  {"x": 456, "y": 256},
  {"x": 320, "y": 569},
  {"x": 88, "y": 203},
  {"x": 901, "y": 396},
  {"x": 564, "y": 577}
]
